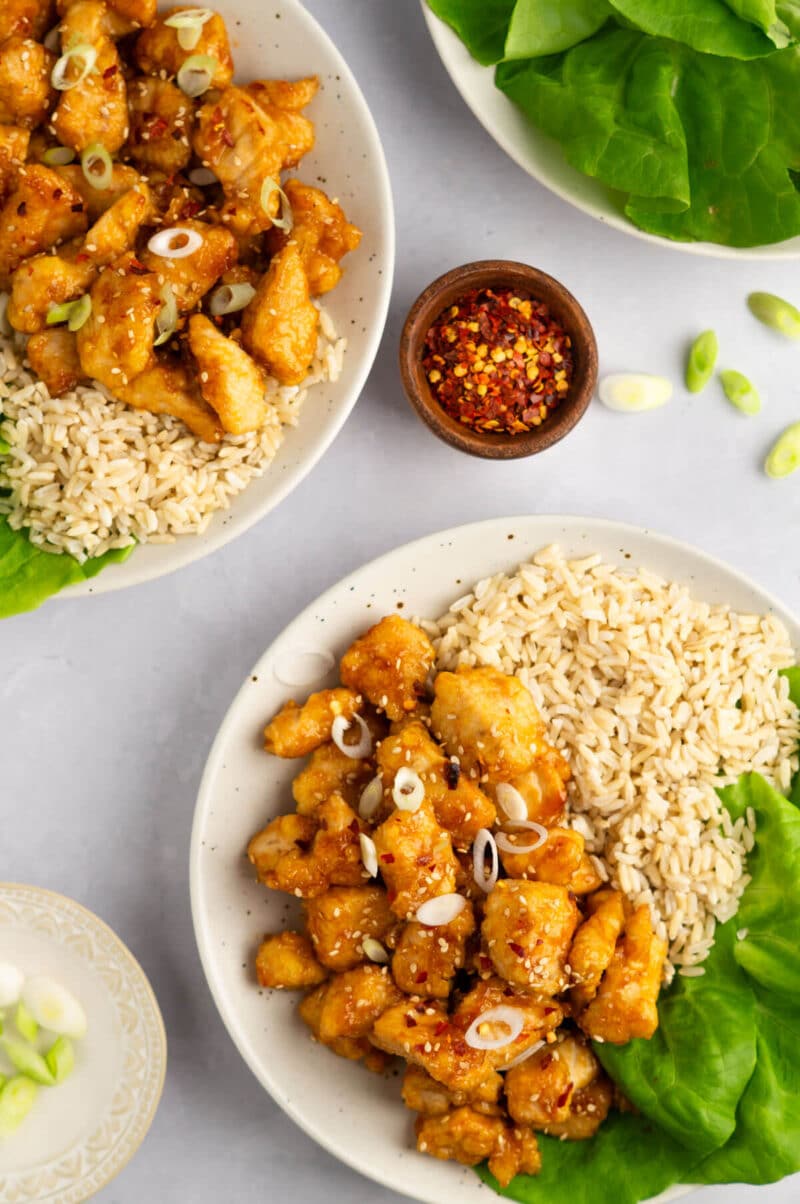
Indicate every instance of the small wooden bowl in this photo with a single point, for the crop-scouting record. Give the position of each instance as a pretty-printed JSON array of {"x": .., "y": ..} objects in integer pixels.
[{"x": 498, "y": 273}]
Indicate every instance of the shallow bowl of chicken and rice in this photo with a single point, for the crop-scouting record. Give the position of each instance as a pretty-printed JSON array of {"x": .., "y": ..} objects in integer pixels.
[{"x": 196, "y": 252}]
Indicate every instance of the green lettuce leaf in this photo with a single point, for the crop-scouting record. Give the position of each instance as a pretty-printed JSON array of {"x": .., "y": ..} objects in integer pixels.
[
  {"x": 766, "y": 1144},
  {"x": 711, "y": 26},
  {"x": 482, "y": 25},
  {"x": 694, "y": 1098},
  {"x": 28, "y": 576},
  {"x": 540, "y": 27},
  {"x": 770, "y": 908},
  {"x": 628, "y": 1160}
]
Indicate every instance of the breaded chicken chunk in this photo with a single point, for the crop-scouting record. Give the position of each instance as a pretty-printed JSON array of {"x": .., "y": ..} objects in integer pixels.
[
  {"x": 463, "y": 1135},
  {"x": 98, "y": 200},
  {"x": 423, "y": 1034},
  {"x": 122, "y": 16},
  {"x": 341, "y": 919},
  {"x": 191, "y": 276},
  {"x": 116, "y": 341},
  {"x": 41, "y": 211},
  {"x": 43, "y": 281},
  {"x": 354, "y": 1000},
  {"x": 158, "y": 51},
  {"x": 26, "y": 93},
  {"x": 421, "y": 1093},
  {"x": 539, "y": 1017},
  {"x": 560, "y": 1090},
  {"x": 167, "y": 387},
  {"x": 625, "y": 1004},
  {"x": 528, "y": 929},
  {"x": 389, "y": 665},
  {"x": 14, "y": 141},
  {"x": 305, "y": 856},
  {"x": 279, "y": 326},
  {"x": 297, "y": 730},
  {"x": 488, "y": 720},
  {"x": 562, "y": 859},
  {"x": 26, "y": 18},
  {"x": 330, "y": 770},
  {"x": 322, "y": 233},
  {"x": 53, "y": 356},
  {"x": 161, "y": 125},
  {"x": 231, "y": 382},
  {"x": 594, "y": 943},
  {"x": 291, "y": 95},
  {"x": 415, "y": 858},
  {"x": 544, "y": 788},
  {"x": 426, "y": 958},
  {"x": 286, "y": 961},
  {"x": 356, "y": 1049},
  {"x": 96, "y": 108}
]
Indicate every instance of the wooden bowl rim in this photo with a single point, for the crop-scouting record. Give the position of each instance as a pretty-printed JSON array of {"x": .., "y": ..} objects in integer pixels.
[{"x": 565, "y": 308}]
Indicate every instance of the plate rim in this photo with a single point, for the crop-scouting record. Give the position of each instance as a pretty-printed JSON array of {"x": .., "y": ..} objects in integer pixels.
[
  {"x": 446, "y": 40},
  {"x": 146, "y": 1121},
  {"x": 204, "y": 797},
  {"x": 219, "y": 533}
]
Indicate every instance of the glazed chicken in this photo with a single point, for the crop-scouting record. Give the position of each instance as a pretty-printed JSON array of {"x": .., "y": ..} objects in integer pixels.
[
  {"x": 143, "y": 210},
  {"x": 489, "y": 984}
]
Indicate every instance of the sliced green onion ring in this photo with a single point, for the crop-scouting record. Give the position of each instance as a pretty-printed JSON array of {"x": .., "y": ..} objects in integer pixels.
[
  {"x": 81, "y": 309},
  {"x": 230, "y": 298},
  {"x": 785, "y": 454},
  {"x": 189, "y": 24},
  {"x": 167, "y": 317},
  {"x": 776, "y": 313},
  {"x": 634, "y": 392},
  {"x": 740, "y": 392},
  {"x": 52, "y": 39},
  {"x": 57, "y": 314},
  {"x": 702, "y": 358},
  {"x": 85, "y": 54},
  {"x": 285, "y": 218},
  {"x": 176, "y": 242},
  {"x": 58, "y": 156},
  {"x": 196, "y": 74},
  {"x": 97, "y": 166}
]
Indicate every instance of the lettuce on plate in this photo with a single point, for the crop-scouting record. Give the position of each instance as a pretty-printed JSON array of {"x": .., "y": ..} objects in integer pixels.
[
  {"x": 28, "y": 576},
  {"x": 717, "y": 1087}
]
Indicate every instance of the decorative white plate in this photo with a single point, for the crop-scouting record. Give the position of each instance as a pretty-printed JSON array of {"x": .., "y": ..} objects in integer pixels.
[
  {"x": 282, "y": 40},
  {"x": 543, "y": 158},
  {"x": 81, "y": 1134},
  {"x": 357, "y": 1116}
]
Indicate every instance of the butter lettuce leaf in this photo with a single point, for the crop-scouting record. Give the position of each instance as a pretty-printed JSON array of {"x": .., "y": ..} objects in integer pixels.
[
  {"x": 711, "y": 26},
  {"x": 482, "y": 25},
  {"x": 28, "y": 576},
  {"x": 541, "y": 27}
]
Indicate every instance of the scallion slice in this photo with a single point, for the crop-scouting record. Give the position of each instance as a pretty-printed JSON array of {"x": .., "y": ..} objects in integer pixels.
[
  {"x": 196, "y": 74},
  {"x": 167, "y": 319},
  {"x": 285, "y": 217},
  {"x": 58, "y": 156},
  {"x": 784, "y": 457},
  {"x": 97, "y": 166},
  {"x": 82, "y": 53},
  {"x": 189, "y": 24},
  {"x": 230, "y": 298}
]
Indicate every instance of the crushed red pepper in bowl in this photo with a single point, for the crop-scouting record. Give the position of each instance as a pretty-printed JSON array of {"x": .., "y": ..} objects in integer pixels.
[{"x": 496, "y": 360}]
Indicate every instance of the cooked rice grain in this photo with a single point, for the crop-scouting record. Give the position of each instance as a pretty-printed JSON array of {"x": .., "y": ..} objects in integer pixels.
[
  {"x": 87, "y": 473},
  {"x": 655, "y": 699}
]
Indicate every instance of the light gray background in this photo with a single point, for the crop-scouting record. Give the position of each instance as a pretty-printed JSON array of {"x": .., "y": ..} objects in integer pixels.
[{"x": 110, "y": 704}]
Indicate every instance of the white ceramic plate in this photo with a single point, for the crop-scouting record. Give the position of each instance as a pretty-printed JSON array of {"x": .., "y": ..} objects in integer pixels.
[
  {"x": 543, "y": 158},
  {"x": 282, "y": 40},
  {"x": 81, "y": 1134},
  {"x": 357, "y": 1116}
]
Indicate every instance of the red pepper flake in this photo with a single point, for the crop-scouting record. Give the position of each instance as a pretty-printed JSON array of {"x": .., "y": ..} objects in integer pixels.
[
  {"x": 410, "y": 1021},
  {"x": 77, "y": 208},
  {"x": 109, "y": 71},
  {"x": 486, "y": 962},
  {"x": 565, "y": 1094},
  {"x": 58, "y": 193},
  {"x": 546, "y": 1061},
  {"x": 441, "y": 1027},
  {"x": 388, "y": 858},
  {"x": 496, "y": 360},
  {"x": 421, "y": 977},
  {"x": 549, "y": 1011},
  {"x": 515, "y": 948},
  {"x": 156, "y": 127},
  {"x": 354, "y": 826},
  {"x": 22, "y": 208}
]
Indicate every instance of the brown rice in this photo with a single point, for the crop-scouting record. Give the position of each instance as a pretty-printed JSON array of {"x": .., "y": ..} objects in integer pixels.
[
  {"x": 87, "y": 473},
  {"x": 656, "y": 699}
]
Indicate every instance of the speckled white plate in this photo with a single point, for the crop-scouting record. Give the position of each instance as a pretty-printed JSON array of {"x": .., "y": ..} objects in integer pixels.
[
  {"x": 81, "y": 1134},
  {"x": 280, "y": 39},
  {"x": 543, "y": 158},
  {"x": 358, "y": 1116}
]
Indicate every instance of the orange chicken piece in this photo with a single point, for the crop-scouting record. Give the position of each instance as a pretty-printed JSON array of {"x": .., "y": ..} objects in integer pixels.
[
  {"x": 354, "y": 1000},
  {"x": 330, "y": 770},
  {"x": 25, "y": 18},
  {"x": 231, "y": 382},
  {"x": 625, "y": 1006},
  {"x": 167, "y": 387},
  {"x": 96, "y": 109},
  {"x": 421, "y": 1093},
  {"x": 162, "y": 121},
  {"x": 544, "y": 788},
  {"x": 389, "y": 665},
  {"x": 40, "y": 212},
  {"x": 356, "y": 1049},
  {"x": 305, "y": 856},
  {"x": 341, "y": 919},
  {"x": 540, "y": 1017},
  {"x": 322, "y": 233},
  {"x": 423, "y": 1034},
  {"x": 286, "y": 961},
  {"x": 53, "y": 356},
  {"x": 528, "y": 929},
  {"x": 594, "y": 943},
  {"x": 14, "y": 142},
  {"x": 25, "y": 89},
  {"x": 191, "y": 276},
  {"x": 560, "y": 1090},
  {"x": 562, "y": 860},
  {"x": 158, "y": 51},
  {"x": 297, "y": 730},
  {"x": 115, "y": 343},
  {"x": 415, "y": 858},
  {"x": 279, "y": 326},
  {"x": 426, "y": 958},
  {"x": 469, "y": 1137}
]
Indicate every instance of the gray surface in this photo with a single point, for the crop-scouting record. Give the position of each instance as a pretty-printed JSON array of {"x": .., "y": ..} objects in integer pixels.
[{"x": 110, "y": 704}]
